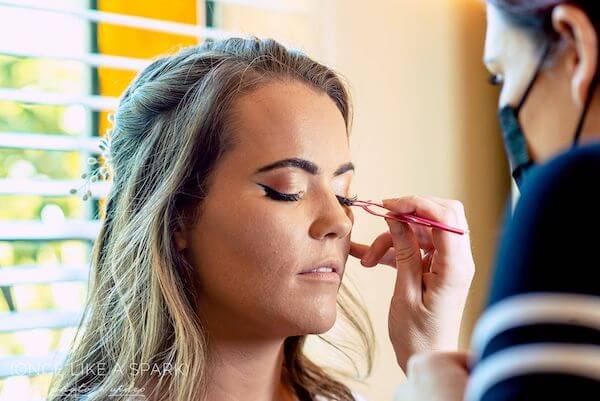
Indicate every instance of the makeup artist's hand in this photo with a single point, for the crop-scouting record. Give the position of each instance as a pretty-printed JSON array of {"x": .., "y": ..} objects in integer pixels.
[
  {"x": 435, "y": 376},
  {"x": 434, "y": 273}
]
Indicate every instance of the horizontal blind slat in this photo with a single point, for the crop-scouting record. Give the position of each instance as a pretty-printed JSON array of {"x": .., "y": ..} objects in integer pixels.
[
  {"x": 131, "y": 21},
  {"x": 91, "y": 59},
  {"x": 19, "y": 186},
  {"x": 39, "y": 231},
  {"x": 19, "y": 275},
  {"x": 93, "y": 102},
  {"x": 45, "y": 319},
  {"x": 24, "y": 140}
]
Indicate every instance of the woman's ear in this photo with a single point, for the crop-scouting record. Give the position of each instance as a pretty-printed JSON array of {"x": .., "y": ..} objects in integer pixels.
[{"x": 575, "y": 28}]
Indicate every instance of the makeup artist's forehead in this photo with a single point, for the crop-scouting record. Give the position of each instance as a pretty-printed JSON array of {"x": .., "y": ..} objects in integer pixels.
[
  {"x": 512, "y": 52},
  {"x": 502, "y": 40},
  {"x": 289, "y": 119},
  {"x": 496, "y": 26}
]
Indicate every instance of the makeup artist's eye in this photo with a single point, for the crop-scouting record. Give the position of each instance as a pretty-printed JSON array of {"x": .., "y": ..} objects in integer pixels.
[
  {"x": 496, "y": 79},
  {"x": 279, "y": 196}
]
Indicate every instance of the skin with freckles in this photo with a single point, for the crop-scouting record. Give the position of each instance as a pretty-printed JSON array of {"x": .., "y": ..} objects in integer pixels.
[
  {"x": 249, "y": 248},
  {"x": 512, "y": 54}
]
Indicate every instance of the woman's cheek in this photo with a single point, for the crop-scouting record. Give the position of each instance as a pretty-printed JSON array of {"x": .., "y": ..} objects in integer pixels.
[{"x": 278, "y": 240}]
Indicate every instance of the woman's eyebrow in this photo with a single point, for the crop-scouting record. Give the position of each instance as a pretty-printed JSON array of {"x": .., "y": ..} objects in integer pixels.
[
  {"x": 303, "y": 164},
  {"x": 343, "y": 168}
]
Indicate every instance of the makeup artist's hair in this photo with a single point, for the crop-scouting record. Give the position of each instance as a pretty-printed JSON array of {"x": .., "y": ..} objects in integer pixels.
[
  {"x": 170, "y": 131},
  {"x": 536, "y": 15}
]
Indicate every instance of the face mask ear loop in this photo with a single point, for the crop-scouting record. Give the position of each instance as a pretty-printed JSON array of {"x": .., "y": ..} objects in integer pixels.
[
  {"x": 517, "y": 173},
  {"x": 535, "y": 77},
  {"x": 586, "y": 108}
]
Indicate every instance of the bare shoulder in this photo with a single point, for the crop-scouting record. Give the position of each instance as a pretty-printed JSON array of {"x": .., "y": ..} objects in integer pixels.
[{"x": 357, "y": 397}]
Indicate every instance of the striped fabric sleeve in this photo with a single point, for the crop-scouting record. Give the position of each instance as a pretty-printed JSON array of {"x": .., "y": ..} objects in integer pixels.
[
  {"x": 538, "y": 346},
  {"x": 539, "y": 338}
]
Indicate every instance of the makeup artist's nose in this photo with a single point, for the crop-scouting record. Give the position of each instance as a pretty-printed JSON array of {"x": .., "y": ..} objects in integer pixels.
[{"x": 332, "y": 220}]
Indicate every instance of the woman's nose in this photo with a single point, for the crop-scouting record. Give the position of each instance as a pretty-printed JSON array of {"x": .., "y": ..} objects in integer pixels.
[{"x": 333, "y": 220}]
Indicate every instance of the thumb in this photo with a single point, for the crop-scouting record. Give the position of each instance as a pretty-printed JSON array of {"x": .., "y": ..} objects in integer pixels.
[
  {"x": 407, "y": 257},
  {"x": 358, "y": 250}
]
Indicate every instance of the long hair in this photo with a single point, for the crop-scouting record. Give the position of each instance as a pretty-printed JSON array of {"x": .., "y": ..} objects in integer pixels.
[{"x": 169, "y": 133}]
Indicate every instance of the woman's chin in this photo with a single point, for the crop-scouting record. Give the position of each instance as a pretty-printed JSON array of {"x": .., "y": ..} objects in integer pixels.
[{"x": 316, "y": 319}]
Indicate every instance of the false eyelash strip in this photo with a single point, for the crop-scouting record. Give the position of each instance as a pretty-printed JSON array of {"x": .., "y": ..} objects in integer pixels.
[
  {"x": 347, "y": 201},
  {"x": 278, "y": 195}
]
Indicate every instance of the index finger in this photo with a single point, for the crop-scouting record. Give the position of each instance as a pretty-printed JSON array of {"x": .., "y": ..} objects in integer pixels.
[{"x": 424, "y": 207}]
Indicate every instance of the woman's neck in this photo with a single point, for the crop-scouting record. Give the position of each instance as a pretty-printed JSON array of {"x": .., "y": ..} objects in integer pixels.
[
  {"x": 240, "y": 370},
  {"x": 244, "y": 363}
]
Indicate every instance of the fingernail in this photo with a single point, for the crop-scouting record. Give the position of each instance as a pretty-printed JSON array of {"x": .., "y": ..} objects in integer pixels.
[{"x": 389, "y": 202}]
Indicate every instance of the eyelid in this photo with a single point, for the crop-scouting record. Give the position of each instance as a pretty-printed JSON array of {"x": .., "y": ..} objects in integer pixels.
[
  {"x": 346, "y": 201},
  {"x": 272, "y": 193},
  {"x": 284, "y": 182}
]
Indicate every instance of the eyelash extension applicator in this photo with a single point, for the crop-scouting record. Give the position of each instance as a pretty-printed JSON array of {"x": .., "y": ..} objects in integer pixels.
[{"x": 402, "y": 217}]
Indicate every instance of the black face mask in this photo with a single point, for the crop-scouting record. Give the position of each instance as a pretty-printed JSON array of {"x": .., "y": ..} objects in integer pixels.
[{"x": 515, "y": 143}]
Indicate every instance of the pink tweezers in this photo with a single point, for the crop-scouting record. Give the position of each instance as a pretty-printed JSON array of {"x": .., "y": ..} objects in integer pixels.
[{"x": 405, "y": 218}]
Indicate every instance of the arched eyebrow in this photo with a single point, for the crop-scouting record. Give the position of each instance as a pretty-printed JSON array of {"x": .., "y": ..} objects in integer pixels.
[
  {"x": 305, "y": 165},
  {"x": 343, "y": 168}
]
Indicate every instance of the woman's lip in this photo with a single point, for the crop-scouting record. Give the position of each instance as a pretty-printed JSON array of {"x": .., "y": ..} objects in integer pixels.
[
  {"x": 321, "y": 276},
  {"x": 331, "y": 263}
]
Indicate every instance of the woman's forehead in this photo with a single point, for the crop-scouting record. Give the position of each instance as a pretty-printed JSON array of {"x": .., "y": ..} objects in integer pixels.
[{"x": 290, "y": 119}]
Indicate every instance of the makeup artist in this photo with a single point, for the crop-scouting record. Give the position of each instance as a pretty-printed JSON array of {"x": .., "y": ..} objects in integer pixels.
[{"x": 539, "y": 338}]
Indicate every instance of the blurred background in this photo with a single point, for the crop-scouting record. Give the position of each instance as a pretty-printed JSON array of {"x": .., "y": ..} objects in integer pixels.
[{"x": 424, "y": 123}]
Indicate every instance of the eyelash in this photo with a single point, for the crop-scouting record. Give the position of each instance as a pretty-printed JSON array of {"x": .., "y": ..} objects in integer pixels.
[
  {"x": 347, "y": 201},
  {"x": 279, "y": 196},
  {"x": 495, "y": 79}
]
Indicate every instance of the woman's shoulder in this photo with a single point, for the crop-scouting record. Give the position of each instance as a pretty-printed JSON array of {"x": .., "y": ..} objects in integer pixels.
[{"x": 357, "y": 397}]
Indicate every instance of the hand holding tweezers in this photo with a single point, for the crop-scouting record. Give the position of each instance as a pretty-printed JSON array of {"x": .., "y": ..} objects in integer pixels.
[{"x": 405, "y": 218}]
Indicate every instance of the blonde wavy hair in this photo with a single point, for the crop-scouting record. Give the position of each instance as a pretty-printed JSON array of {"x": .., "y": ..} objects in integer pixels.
[{"x": 169, "y": 132}]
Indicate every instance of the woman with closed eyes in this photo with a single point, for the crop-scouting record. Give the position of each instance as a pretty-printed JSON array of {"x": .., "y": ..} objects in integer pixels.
[{"x": 227, "y": 233}]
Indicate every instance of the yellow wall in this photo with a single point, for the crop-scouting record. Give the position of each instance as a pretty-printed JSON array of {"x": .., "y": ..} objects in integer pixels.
[{"x": 116, "y": 40}]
